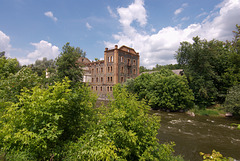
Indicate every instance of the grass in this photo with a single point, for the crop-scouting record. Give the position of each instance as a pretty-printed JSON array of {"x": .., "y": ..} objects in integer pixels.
[{"x": 215, "y": 110}]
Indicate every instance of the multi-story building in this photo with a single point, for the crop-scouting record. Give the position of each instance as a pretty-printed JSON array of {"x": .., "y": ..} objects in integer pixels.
[{"x": 119, "y": 64}]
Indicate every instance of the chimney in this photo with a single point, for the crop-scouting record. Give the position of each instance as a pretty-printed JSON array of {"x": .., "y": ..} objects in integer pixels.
[
  {"x": 106, "y": 49},
  {"x": 116, "y": 46}
]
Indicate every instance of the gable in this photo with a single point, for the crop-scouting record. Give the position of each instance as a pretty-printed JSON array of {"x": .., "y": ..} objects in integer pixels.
[{"x": 127, "y": 49}]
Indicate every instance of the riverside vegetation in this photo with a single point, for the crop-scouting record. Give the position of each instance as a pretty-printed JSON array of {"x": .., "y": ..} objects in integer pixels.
[{"x": 56, "y": 119}]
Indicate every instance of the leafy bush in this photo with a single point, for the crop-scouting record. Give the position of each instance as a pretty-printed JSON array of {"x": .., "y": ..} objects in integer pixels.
[
  {"x": 125, "y": 131},
  {"x": 44, "y": 119},
  {"x": 232, "y": 102},
  {"x": 163, "y": 90},
  {"x": 215, "y": 156},
  {"x": 11, "y": 86}
]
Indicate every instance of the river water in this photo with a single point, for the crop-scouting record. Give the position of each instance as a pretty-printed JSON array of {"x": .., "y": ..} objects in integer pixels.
[{"x": 199, "y": 134}]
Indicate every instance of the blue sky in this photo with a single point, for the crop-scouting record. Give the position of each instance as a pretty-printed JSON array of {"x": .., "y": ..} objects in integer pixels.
[{"x": 31, "y": 29}]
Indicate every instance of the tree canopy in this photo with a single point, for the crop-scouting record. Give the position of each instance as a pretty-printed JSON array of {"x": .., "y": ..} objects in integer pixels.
[
  {"x": 163, "y": 90},
  {"x": 211, "y": 67},
  {"x": 67, "y": 64}
]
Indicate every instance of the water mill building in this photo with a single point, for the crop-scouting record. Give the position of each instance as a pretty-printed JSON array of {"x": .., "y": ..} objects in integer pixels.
[{"x": 119, "y": 64}]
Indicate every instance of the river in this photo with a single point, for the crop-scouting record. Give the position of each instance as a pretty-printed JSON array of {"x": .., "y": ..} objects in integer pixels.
[{"x": 199, "y": 134}]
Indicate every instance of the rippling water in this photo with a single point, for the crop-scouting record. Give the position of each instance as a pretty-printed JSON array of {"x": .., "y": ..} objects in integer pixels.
[{"x": 199, "y": 134}]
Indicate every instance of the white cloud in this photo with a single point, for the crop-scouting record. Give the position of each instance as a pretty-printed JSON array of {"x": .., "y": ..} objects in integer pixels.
[
  {"x": 50, "y": 15},
  {"x": 111, "y": 12},
  {"x": 185, "y": 18},
  {"x": 5, "y": 43},
  {"x": 160, "y": 47},
  {"x": 178, "y": 11},
  {"x": 201, "y": 14},
  {"x": 135, "y": 11},
  {"x": 42, "y": 49},
  {"x": 89, "y": 27}
]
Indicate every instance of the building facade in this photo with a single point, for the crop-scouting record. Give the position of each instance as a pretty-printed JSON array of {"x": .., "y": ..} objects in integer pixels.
[{"x": 119, "y": 64}]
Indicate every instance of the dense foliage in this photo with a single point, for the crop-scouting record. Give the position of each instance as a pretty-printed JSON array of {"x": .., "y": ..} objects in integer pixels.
[
  {"x": 232, "y": 103},
  {"x": 125, "y": 131},
  {"x": 68, "y": 65},
  {"x": 14, "y": 83},
  {"x": 44, "y": 119},
  {"x": 8, "y": 66},
  {"x": 163, "y": 90},
  {"x": 211, "y": 67}
]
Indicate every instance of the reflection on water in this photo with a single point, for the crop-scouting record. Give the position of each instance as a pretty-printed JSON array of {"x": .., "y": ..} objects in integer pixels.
[{"x": 199, "y": 134}]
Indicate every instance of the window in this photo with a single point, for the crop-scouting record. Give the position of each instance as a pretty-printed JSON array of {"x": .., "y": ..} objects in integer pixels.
[
  {"x": 96, "y": 79},
  {"x": 122, "y": 79},
  {"x": 101, "y": 79},
  {"x": 92, "y": 79},
  {"x": 92, "y": 87},
  {"x": 108, "y": 59},
  {"x": 128, "y": 71},
  {"x": 111, "y": 58},
  {"x": 134, "y": 62},
  {"x": 101, "y": 88},
  {"x": 129, "y": 62},
  {"x": 107, "y": 88},
  {"x": 97, "y": 70},
  {"x": 96, "y": 88},
  {"x": 110, "y": 88},
  {"x": 122, "y": 70},
  {"x": 111, "y": 79},
  {"x": 108, "y": 69},
  {"x": 134, "y": 71},
  {"x": 101, "y": 70},
  {"x": 92, "y": 71},
  {"x": 108, "y": 79},
  {"x": 121, "y": 58},
  {"x": 111, "y": 68}
]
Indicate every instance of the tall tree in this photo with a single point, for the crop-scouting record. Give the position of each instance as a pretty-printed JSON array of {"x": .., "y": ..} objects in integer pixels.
[
  {"x": 2, "y": 54},
  {"x": 8, "y": 66},
  {"x": 67, "y": 64},
  {"x": 211, "y": 67}
]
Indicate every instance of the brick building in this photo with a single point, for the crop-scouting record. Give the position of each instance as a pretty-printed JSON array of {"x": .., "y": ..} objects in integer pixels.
[{"x": 119, "y": 64}]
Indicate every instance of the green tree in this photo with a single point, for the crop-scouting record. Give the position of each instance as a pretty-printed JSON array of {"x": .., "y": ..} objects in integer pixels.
[
  {"x": 2, "y": 54},
  {"x": 142, "y": 69},
  {"x": 163, "y": 90},
  {"x": 11, "y": 87},
  {"x": 8, "y": 66},
  {"x": 125, "y": 131},
  {"x": 203, "y": 64},
  {"x": 45, "y": 119},
  {"x": 67, "y": 64},
  {"x": 232, "y": 102}
]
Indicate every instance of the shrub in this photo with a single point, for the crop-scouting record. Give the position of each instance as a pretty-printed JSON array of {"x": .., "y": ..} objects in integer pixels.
[
  {"x": 44, "y": 119},
  {"x": 232, "y": 102},
  {"x": 164, "y": 90}
]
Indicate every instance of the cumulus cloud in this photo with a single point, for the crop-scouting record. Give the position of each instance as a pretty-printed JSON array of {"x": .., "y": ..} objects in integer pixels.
[
  {"x": 42, "y": 49},
  {"x": 89, "y": 27},
  {"x": 50, "y": 15},
  {"x": 160, "y": 47},
  {"x": 4, "y": 43},
  {"x": 135, "y": 11}
]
